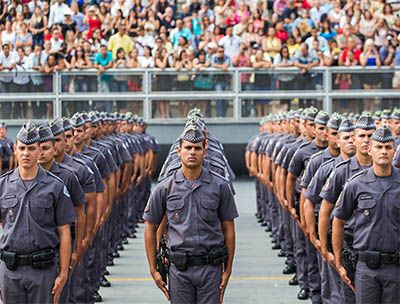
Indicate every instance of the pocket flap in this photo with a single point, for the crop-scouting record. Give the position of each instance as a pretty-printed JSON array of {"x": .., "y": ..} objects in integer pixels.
[
  {"x": 209, "y": 204},
  {"x": 9, "y": 202},
  {"x": 366, "y": 204},
  {"x": 43, "y": 203},
  {"x": 175, "y": 203}
]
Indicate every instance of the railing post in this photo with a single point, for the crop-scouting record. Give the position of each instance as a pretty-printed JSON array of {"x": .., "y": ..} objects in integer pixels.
[
  {"x": 57, "y": 112},
  {"x": 237, "y": 105},
  {"x": 327, "y": 102},
  {"x": 146, "y": 91}
]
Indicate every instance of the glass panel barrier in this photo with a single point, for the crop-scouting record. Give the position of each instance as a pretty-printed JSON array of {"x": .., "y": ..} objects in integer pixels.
[
  {"x": 363, "y": 80},
  {"x": 190, "y": 80},
  {"x": 260, "y": 107},
  {"x": 24, "y": 110},
  {"x": 26, "y": 82},
  {"x": 69, "y": 107},
  {"x": 211, "y": 108},
  {"x": 351, "y": 105}
]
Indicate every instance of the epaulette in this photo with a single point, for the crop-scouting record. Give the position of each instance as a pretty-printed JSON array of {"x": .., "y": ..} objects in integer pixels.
[
  {"x": 55, "y": 176},
  {"x": 78, "y": 160},
  {"x": 304, "y": 145},
  {"x": 342, "y": 163},
  {"x": 316, "y": 154},
  {"x": 7, "y": 173},
  {"x": 358, "y": 174},
  {"x": 216, "y": 164},
  {"x": 327, "y": 162},
  {"x": 66, "y": 167},
  {"x": 94, "y": 149},
  {"x": 218, "y": 175}
]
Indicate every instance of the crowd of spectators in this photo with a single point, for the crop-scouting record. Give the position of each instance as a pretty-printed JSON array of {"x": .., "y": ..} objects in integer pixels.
[{"x": 196, "y": 35}]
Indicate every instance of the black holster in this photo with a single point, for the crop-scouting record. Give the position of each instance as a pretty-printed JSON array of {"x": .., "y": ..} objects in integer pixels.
[
  {"x": 180, "y": 260},
  {"x": 10, "y": 259},
  {"x": 349, "y": 257},
  {"x": 43, "y": 258},
  {"x": 218, "y": 255}
]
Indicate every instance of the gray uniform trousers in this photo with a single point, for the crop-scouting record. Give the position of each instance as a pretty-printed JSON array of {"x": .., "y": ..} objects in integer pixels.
[
  {"x": 288, "y": 231},
  {"x": 381, "y": 285},
  {"x": 26, "y": 284},
  {"x": 195, "y": 285},
  {"x": 300, "y": 256},
  {"x": 314, "y": 279}
]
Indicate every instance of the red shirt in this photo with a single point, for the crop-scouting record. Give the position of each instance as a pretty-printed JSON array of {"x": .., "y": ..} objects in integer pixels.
[
  {"x": 282, "y": 36},
  {"x": 356, "y": 52},
  {"x": 50, "y": 35}
]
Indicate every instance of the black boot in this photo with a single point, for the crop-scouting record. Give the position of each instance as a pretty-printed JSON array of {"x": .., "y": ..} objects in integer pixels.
[
  {"x": 96, "y": 297},
  {"x": 104, "y": 282},
  {"x": 289, "y": 269},
  {"x": 293, "y": 281},
  {"x": 303, "y": 294}
]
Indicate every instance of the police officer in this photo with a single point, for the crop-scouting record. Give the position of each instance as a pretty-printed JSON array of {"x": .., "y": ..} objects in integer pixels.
[
  {"x": 330, "y": 281},
  {"x": 372, "y": 198},
  {"x": 6, "y": 147},
  {"x": 364, "y": 129},
  {"x": 377, "y": 118},
  {"x": 197, "y": 203},
  {"x": 36, "y": 211},
  {"x": 395, "y": 126}
]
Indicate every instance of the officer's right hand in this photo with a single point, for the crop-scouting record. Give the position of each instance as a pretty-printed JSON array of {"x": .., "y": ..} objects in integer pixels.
[
  {"x": 343, "y": 274},
  {"x": 315, "y": 241},
  {"x": 59, "y": 283},
  {"x": 293, "y": 214},
  {"x": 160, "y": 283},
  {"x": 328, "y": 256}
]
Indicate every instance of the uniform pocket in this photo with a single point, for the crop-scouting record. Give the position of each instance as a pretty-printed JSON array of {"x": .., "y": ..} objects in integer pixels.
[
  {"x": 9, "y": 209},
  {"x": 42, "y": 211},
  {"x": 175, "y": 207},
  {"x": 209, "y": 210},
  {"x": 366, "y": 209}
]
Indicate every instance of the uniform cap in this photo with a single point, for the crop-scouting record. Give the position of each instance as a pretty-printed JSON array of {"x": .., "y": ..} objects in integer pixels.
[
  {"x": 193, "y": 134},
  {"x": 310, "y": 114},
  {"x": 86, "y": 117},
  {"x": 67, "y": 124},
  {"x": 77, "y": 120},
  {"x": 3, "y": 124},
  {"x": 334, "y": 121},
  {"x": 322, "y": 118},
  {"x": 346, "y": 125},
  {"x": 396, "y": 114},
  {"x": 56, "y": 126},
  {"x": 28, "y": 134},
  {"x": 94, "y": 117},
  {"x": 377, "y": 115},
  {"x": 45, "y": 134},
  {"x": 365, "y": 122},
  {"x": 383, "y": 135},
  {"x": 141, "y": 121},
  {"x": 386, "y": 114}
]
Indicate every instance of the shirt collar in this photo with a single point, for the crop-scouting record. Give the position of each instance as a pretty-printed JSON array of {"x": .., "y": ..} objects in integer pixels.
[
  {"x": 41, "y": 175},
  {"x": 371, "y": 177},
  {"x": 204, "y": 177}
]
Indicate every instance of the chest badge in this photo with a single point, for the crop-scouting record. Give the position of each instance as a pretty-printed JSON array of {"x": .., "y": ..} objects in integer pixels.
[{"x": 366, "y": 212}]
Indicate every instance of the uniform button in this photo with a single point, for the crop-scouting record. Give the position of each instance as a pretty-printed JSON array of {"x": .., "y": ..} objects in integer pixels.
[{"x": 366, "y": 212}]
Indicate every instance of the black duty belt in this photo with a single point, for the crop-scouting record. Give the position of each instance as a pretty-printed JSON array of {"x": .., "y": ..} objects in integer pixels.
[
  {"x": 39, "y": 259},
  {"x": 198, "y": 260},
  {"x": 384, "y": 258}
]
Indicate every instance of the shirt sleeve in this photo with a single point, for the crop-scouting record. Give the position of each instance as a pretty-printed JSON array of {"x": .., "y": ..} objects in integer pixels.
[
  {"x": 295, "y": 166},
  {"x": 88, "y": 183},
  {"x": 64, "y": 208},
  {"x": 76, "y": 191},
  {"x": 332, "y": 188},
  {"x": 227, "y": 208},
  {"x": 156, "y": 206},
  {"x": 345, "y": 204},
  {"x": 103, "y": 166}
]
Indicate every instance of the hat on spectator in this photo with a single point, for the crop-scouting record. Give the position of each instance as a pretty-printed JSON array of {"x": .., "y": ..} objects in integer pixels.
[
  {"x": 45, "y": 134},
  {"x": 67, "y": 124},
  {"x": 383, "y": 135},
  {"x": 28, "y": 134},
  {"x": 67, "y": 11},
  {"x": 193, "y": 134},
  {"x": 212, "y": 45},
  {"x": 365, "y": 122},
  {"x": 396, "y": 114},
  {"x": 334, "y": 121},
  {"x": 56, "y": 126},
  {"x": 346, "y": 126},
  {"x": 322, "y": 118},
  {"x": 77, "y": 120}
]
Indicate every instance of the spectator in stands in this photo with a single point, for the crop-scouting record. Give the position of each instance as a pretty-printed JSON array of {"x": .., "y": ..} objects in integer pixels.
[
  {"x": 146, "y": 61},
  {"x": 221, "y": 11},
  {"x": 68, "y": 24},
  {"x": 8, "y": 36},
  {"x": 367, "y": 25},
  {"x": 56, "y": 40},
  {"x": 271, "y": 44},
  {"x": 178, "y": 32},
  {"x": 305, "y": 60},
  {"x": 21, "y": 82},
  {"x": 103, "y": 61},
  {"x": 183, "y": 65},
  {"x": 93, "y": 20},
  {"x": 202, "y": 82},
  {"x": 230, "y": 43},
  {"x": 38, "y": 24},
  {"x": 261, "y": 80},
  {"x": 24, "y": 38},
  {"x": 370, "y": 57},
  {"x": 322, "y": 42},
  {"x": 77, "y": 17},
  {"x": 278, "y": 8},
  {"x": 81, "y": 61},
  {"x": 37, "y": 60},
  {"x": 120, "y": 40},
  {"x": 327, "y": 32},
  {"x": 57, "y": 12},
  {"x": 7, "y": 64},
  {"x": 221, "y": 62}
]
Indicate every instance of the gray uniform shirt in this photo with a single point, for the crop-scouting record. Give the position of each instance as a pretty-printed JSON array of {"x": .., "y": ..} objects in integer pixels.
[
  {"x": 194, "y": 213},
  {"x": 375, "y": 203},
  {"x": 31, "y": 217}
]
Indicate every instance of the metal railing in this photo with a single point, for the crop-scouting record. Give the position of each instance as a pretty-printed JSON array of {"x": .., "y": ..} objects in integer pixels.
[{"x": 239, "y": 92}]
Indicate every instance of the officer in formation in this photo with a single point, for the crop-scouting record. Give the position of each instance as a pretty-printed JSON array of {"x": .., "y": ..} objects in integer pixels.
[
  {"x": 193, "y": 207},
  {"x": 301, "y": 161},
  {"x": 77, "y": 194},
  {"x": 6, "y": 150}
]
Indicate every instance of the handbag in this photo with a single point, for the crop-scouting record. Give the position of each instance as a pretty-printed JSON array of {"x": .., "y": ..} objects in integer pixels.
[
  {"x": 182, "y": 77},
  {"x": 203, "y": 82}
]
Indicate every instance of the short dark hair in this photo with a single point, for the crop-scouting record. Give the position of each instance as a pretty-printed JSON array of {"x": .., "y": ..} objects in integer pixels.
[{"x": 181, "y": 142}]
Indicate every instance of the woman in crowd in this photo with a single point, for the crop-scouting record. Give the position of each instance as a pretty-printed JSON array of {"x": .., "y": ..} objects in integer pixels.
[{"x": 38, "y": 25}]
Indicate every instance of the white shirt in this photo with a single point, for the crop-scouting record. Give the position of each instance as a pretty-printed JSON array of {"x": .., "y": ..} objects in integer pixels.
[
  {"x": 231, "y": 45},
  {"x": 146, "y": 62},
  {"x": 22, "y": 65},
  {"x": 55, "y": 45},
  {"x": 57, "y": 13},
  {"x": 8, "y": 37},
  {"x": 7, "y": 62}
]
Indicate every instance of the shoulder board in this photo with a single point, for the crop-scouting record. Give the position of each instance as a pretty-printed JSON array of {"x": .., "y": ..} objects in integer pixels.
[
  {"x": 304, "y": 144},
  {"x": 363, "y": 172},
  {"x": 78, "y": 160},
  {"x": 56, "y": 177},
  {"x": 218, "y": 175},
  {"x": 331, "y": 160},
  {"x": 94, "y": 149},
  {"x": 66, "y": 167},
  {"x": 7, "y": 173},
  {"x": 342, "y": 163},
  {"x": 316, "y": 155}
]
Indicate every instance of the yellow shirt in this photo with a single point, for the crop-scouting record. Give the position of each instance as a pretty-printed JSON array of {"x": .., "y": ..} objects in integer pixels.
[{"x": 116, "y": 42}]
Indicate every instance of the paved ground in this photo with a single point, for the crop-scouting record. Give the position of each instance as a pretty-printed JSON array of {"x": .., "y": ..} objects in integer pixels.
[{"x": 257, "y": 275}]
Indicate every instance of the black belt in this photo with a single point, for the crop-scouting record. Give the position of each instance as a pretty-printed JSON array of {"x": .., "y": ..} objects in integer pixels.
[
  {"x": 38, "y": 259},
  {"x": 385, "y": 258},
  {"x": 198, "y": 260}
]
